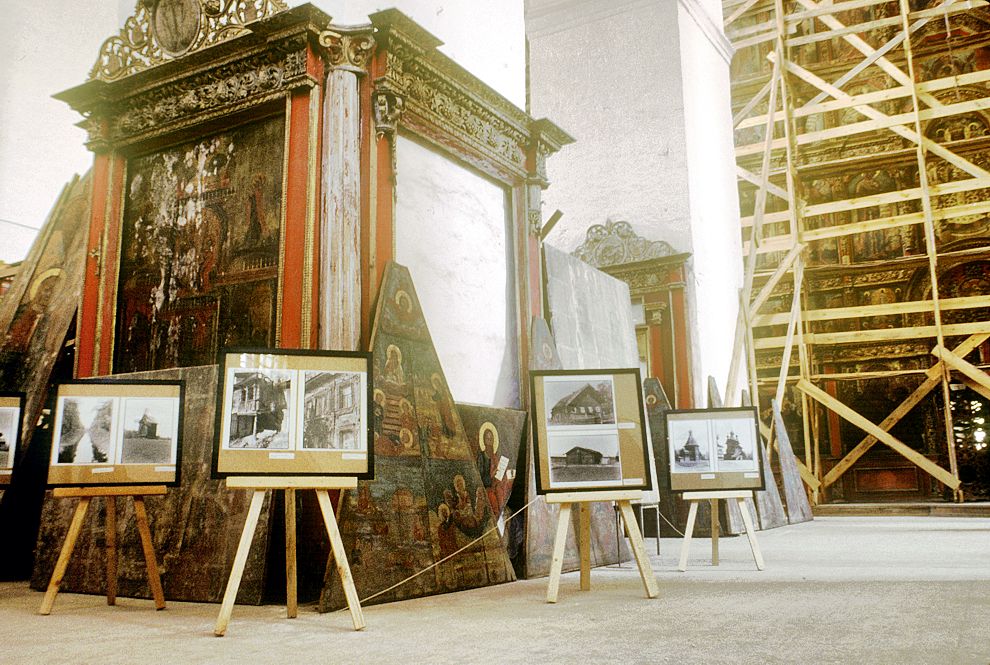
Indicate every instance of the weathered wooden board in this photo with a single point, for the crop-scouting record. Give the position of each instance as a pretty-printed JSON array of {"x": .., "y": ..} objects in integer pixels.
[
  {"x": 195, "y": 527},
  {"x": 657, "y": 405},
  {"x": 798, "y": 506},
  {"x": 36, "y": 316},
  {"x": 427, "y": 499},
  {"x": 496, "y": 437},
  {"x": 769, "y": 508}
]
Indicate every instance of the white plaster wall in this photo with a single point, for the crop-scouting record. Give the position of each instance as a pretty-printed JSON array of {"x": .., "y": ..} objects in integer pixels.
[
  {"x": 451, "y": 232},
  {"x": 609, "y": 74},
  {"x": 47, "y": 46},
  {"x": 644, "y": 88},
  {"x": 716, "y": 264}
]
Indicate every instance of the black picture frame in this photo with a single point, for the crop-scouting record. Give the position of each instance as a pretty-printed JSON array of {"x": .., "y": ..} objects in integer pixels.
[
  {"x": 117, "y": 472},
  {"x": 295, "y": 459},
  {"x": 714, "y": 449},
  {"x": 12, "y": 400},
  {"x": 559, "y": 422}
]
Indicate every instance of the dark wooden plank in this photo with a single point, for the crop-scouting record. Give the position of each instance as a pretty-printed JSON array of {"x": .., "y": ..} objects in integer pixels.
[{"x": 798, "y": 506}]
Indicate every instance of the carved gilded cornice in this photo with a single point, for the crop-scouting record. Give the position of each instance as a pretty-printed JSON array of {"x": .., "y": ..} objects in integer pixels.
[
  {"x": 263, "y": 64},
  {"x": 163, "y": 30},
  {"x": 444, "y": 103},
  {"x": 237, "y": 85}
]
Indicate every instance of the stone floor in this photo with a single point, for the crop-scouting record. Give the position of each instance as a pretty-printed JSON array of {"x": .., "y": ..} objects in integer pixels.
[{"x": 836, "y": 590}]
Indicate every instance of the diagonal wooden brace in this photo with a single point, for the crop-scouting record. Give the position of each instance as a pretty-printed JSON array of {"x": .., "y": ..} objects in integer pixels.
[{"x": 883, "y": 436}]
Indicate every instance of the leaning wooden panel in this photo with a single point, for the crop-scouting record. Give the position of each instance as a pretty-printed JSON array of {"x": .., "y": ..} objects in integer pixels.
[
  {"x": 427, "y": 499},
  {"x": 196, "y": 526}
]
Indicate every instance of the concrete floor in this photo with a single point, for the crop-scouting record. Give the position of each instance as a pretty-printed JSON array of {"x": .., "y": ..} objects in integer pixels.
[{"x": 836, "y": 590}]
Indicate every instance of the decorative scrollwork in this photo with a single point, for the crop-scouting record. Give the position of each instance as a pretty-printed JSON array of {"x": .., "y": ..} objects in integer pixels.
[
  {"x": 162, "y": 30},
  {"x": 348, "y": 51},
  {"x": 615, "y": 243}
]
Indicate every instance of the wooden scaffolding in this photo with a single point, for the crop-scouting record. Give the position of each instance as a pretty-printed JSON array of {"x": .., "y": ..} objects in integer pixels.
[{"x": 862, "y": 135}]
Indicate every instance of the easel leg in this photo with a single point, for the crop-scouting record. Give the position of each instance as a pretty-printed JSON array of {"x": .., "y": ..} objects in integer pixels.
[
  {"x": 639, "y": 549},
  {"x": 340, "y": 558},
  {"x": 110, "y": 505},
  {"x": 154, "y": 578},
  {"x": 291, "y": 603},
  {"x": 240, "y": 560},
  {"x": 63, "y": 558},
  {"x": 563, "y": 521},
  {"x": 688, "y": 532},
  {"x": 584, "y": 544},
  {"x": 751, "y": 532},
  {"x": 715, "y": 529}
]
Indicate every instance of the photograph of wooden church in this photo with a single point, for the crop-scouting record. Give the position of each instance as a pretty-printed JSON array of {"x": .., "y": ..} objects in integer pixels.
[
  {"x": 580, "y": 402},
  {"x": 586, "y": 459}
]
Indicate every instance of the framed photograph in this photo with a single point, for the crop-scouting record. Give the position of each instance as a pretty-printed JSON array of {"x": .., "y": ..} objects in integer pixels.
[
  {"x": 11, "y": 413},
  {"x": 111, "y": 432},
  {"x": 293, "y": 413},
  {"x": 714, "y": 449},
  {"x": 588, "y": 430}
]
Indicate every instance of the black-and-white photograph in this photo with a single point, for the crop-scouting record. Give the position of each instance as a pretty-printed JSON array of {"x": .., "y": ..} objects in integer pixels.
[
  {"x": 690, "y": 446},
  {"x": 85, "y": 431},
  {"x": 581, "y": 401},
  {"x": 332, "y": 410},
  {"x": 9, "y": 416},
  {"x": 150, "y": 429},
  {"x": 584, "y": 459},
  {"x": 734, "y": 444},
  {"x": 260, "y": 415}
]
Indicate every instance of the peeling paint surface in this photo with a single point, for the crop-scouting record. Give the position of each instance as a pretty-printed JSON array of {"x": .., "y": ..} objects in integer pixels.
[{"x": 199, "y": 257}]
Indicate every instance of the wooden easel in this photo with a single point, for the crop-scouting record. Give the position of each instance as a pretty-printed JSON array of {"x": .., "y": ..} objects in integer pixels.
[
  {"x": 738, "y": 495},
  {"x": 261, "y": 485},
  {"x": 85, "y": 495},
  {"x": 584, "y": 499}
]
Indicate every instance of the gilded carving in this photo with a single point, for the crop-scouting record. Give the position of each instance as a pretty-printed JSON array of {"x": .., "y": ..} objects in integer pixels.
[
  {"x": 616, "y": 242},
  {"x": 388, "y": 107},
  {"x": 348, "y": 51},
  {"x": 243, "y": 81},
  {"x": 161, "y": 30},
  {"x": 449, "y": 105}
]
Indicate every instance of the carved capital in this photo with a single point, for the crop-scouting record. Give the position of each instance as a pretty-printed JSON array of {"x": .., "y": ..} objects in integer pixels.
[
  {"x": 348, "y": 51},
  {"x": 388, "y": 106}
]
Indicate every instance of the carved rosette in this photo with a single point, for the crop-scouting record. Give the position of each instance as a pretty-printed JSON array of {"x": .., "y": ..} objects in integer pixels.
[
  {"x": 616, "y": 242},
  {"x": 162, "y": 30},
  {"x": 348, "y": 51}
]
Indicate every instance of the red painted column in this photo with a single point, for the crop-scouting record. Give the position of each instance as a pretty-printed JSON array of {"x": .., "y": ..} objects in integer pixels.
[
  {"x": 111, "y": 258},
  {"x": 296, "y": 183},
  {"x": 89, "y": 304},
  {"x": 682, "y": 354}
]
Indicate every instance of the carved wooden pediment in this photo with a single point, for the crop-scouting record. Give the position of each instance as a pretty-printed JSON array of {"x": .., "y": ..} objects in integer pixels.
[
  {"x": 615, "y": 243},
  {"x": 163, "y": 30}
]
